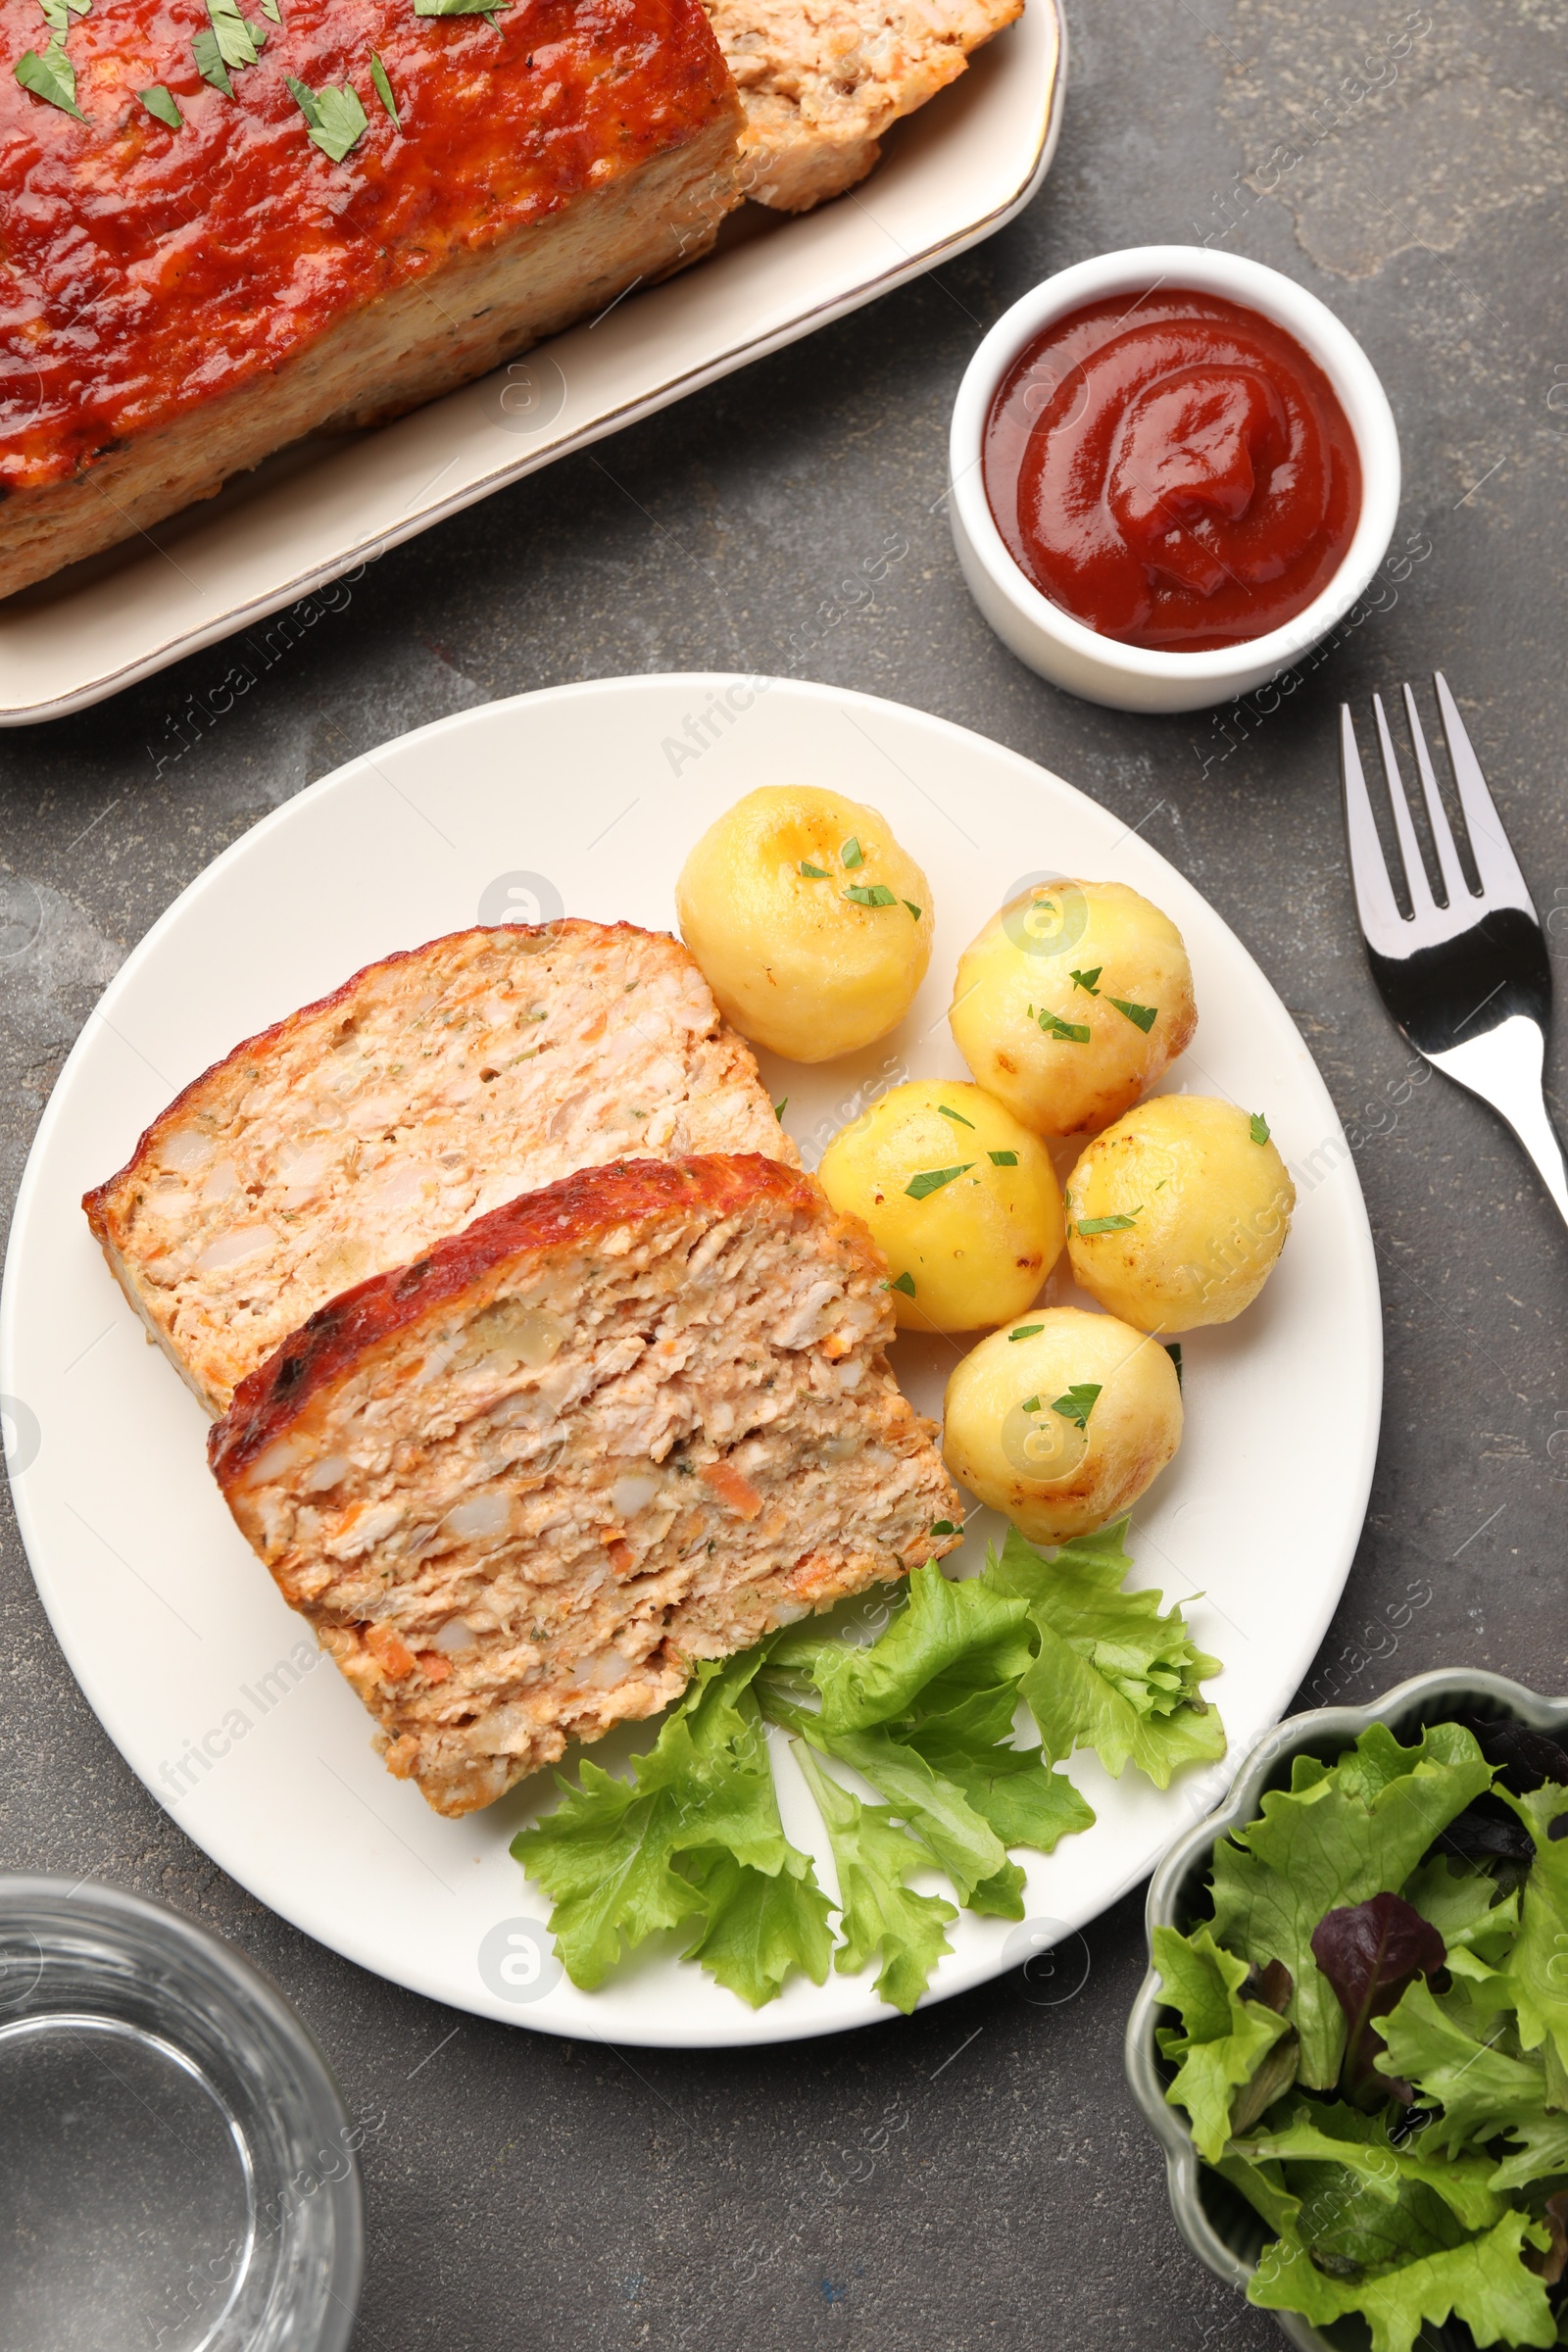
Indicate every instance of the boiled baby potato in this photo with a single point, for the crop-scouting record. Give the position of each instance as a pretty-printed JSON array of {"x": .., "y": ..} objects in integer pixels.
[
  {"x": 1178, "y": 1212},
  {"x": 812, "y": 927},
  {"x": 1061, "y": 1421},
  {"x": 1071, "y": 1001},
  {"x": 963, "y": 1200}
]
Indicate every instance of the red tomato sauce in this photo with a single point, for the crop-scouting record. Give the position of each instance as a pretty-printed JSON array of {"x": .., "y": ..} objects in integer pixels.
[{"x": 1175, "y": 472}]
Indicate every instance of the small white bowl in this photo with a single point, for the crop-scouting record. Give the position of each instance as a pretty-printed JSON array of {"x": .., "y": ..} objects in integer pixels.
[{"x": 1131, "y": 677}]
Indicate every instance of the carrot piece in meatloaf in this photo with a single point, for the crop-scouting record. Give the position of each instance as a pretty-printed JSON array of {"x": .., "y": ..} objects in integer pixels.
[
  {"x": 208, "y": 253},
  {"x": 426, "y": 1091},
  {"x": 636, "y": 1419}
]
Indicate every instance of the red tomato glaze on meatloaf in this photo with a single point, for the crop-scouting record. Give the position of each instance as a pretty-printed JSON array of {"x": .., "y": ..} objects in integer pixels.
[
  {"x": 147, "y": 272},
  {"x": 576, "y": 1209}
]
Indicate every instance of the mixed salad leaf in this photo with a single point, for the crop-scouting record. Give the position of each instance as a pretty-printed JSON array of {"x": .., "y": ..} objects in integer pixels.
[
  {"x": 1373, "y": 2036},
  {"x": 1109, "y": 1672},
  {"x": 924, "y": 1716}
]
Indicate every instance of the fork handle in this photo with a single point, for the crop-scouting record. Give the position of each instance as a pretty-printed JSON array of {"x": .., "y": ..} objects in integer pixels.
[{"x": 1505, "y": 1069}]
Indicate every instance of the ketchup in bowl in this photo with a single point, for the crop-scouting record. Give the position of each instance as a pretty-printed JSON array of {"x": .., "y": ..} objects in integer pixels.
[{"x": 1174, "y": 471}]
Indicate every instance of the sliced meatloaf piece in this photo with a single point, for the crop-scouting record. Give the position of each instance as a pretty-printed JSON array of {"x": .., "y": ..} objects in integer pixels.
[
  {"x": 228, "y": 238},
  {"x": 822, "y": 80},
  {"x": 428, "y": 1089},
  {"x": 635, "y": 1419}
]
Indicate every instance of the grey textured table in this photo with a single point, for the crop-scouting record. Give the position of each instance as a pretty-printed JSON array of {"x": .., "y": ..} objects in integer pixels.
[{"x": 976, "y": 2174}]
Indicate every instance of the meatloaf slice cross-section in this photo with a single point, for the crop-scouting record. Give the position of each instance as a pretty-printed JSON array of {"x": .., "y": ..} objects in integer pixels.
[
  {"x": 427, "y": 1089},
  {"x": 821, "y": 80},
  {"x": 636, "y": 1419}
]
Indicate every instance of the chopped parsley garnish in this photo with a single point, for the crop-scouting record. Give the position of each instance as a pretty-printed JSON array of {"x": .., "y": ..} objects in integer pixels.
[
  {"x": 1110, "y": 1224},
  {"x": 1030, "y": 1404},
  {"x": 459, "y": 8},
  {"x": 208, "y": 63},
  {"x": 1173, "y": 1349},
  {"x": 159, "y": 103},
  {"x": 913, "y": 908},
  {"x": 1260, "y": 1128},
  {"x": 876, "y": 893},
  {"x": 384, "y": 90},
  {"x": 956, "y": 1117},
  {"x": 1078, "y": 1403},
  {"x": 943, "y": 1527},
  {"x": 51, "y": 76},
  {"x": 780, "y": 1107},
  {"x": 269, "y": 8},
  {"x": 1026, "y": 1331},
  {"x": 57, "y": 15},
  {"x": 814, "y": 873},
  {"x": 931, "y": 1180},
  {"x": 1002, "y": 1160},
  {"x": 904, "y": 1283},
  {"x": 337, "y": 120},
  {"x": 239, "y": 42},
  {"x": 852, "y": 855},
  {"x": 1072, "y": 1033},
  {"x": 1142, "y": 1016},
  {"x": 1087, "y": 980}
]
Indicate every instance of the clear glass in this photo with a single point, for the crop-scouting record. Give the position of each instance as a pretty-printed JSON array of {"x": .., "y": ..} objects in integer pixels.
[{"x": 177, "y": 2169}]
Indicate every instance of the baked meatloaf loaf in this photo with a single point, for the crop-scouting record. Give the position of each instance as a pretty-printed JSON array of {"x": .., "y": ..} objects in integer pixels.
[
  {"x": 222, "y": 230},
  {"x": 635, "y": 1419},
  {"x": 426, "y": 1090},
  {"x": 821, "y": 80}
]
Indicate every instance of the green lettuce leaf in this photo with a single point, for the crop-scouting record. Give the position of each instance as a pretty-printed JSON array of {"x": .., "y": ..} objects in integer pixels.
[
  {"x": 1264, "y": 2188},
  {"x": 1334, "y": 2133},
  {"x": 955, "y": 1636},
  {"x": 1536, "y": 1977},
  {"x": 1112, "y": 1673},
  {"x": 1223, "y": 2038},
  {"x": 951, "y": 1725},
  {"x": 1461, "y": 1902},
  {"x": 1435, "y": 2041},
  {"x": 934, "y": 1807},
  {"x": 1339, "y": 1835},
  {"x": 606, "y": 1854},
  {"x": 925, "y": 1714},
  {"x": 1482, "y": 2282},
  {"x": 691, "y": 1838},
  {"x": 999, "y": 1897},
  {"x": 1013, "y": 1789},
  {"x": 1541, "y": 2153},
  {"x": 881, "y": 1916},
  {"x": 755, "y": 1928}
]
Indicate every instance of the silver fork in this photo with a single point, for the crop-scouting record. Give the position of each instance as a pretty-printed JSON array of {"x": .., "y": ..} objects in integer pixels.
[{"x": 1467, "y": 976}]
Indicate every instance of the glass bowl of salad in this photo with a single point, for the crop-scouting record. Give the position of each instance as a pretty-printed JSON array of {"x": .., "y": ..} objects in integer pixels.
[{"x": 1353, "y": 2039}]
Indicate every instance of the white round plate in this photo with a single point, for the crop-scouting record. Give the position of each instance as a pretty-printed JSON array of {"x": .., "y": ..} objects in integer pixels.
[{"x": 587, "y": 797}]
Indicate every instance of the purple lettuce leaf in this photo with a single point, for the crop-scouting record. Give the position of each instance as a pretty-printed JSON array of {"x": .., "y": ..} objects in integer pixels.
[{"x": 1370, "y": 1953}]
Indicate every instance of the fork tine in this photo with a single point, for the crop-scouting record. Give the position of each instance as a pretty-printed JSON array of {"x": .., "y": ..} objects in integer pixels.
[
  {"x": 1456, "y": 887},
  {"x": 1415, "y": 872},
  {"x": 1381, "y": 923},
  {"x": 1496, "y": 863}
]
